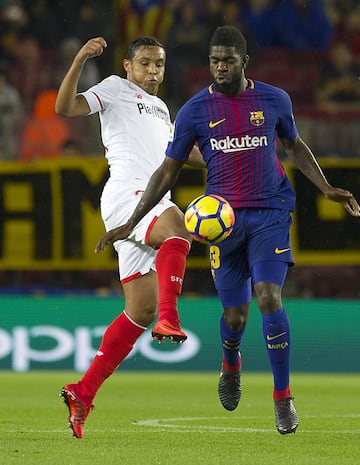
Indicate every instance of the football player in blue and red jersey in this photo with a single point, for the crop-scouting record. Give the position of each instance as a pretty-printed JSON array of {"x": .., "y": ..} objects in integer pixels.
[{"x": 237, "y": 124}]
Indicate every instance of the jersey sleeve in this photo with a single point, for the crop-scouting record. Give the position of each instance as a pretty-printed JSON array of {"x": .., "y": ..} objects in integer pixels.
[
  {"x": 183, "y": 139},
  {"x": 102, "y": 94},
  {"x": 286, "y": 127}
]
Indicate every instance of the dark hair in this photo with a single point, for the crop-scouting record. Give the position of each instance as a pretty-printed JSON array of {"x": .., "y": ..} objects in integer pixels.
[
  {"x": 229, "y": 36},
  {"x": 142, "y": 42}
]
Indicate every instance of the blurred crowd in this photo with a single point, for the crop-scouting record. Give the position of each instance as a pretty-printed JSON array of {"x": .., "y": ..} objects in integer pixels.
[
  {"x": 309, "y": 47},
  {"x": 38, "y": 40}
]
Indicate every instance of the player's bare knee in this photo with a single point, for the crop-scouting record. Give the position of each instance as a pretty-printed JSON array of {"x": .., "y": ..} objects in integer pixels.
[
  {"x": 143, "y": 315},
  {"x": 268, "y": 302},
  {"x": 236, "y": 317},
  {"x": 148, "y": 316},
  {"x": 268, "y": 297}
]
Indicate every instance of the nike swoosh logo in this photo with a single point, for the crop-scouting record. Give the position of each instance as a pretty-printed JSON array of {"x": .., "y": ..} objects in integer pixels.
[
  {"x": 216, "y": 123},
  {"x": 188, "y": 218},
  {"x": 279, "y": 251},
  {"x": 270, "y": 338}
]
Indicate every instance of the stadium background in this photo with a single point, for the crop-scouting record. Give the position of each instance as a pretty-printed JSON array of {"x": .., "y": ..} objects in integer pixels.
[{"x": 56, "y": 294}]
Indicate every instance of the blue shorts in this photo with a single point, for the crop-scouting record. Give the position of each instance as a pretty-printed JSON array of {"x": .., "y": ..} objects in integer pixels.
[{"x": 259, "y": 235}]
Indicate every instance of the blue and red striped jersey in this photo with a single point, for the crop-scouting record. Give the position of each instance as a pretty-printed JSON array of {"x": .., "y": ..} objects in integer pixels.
[{"x": 238, "y": 138}]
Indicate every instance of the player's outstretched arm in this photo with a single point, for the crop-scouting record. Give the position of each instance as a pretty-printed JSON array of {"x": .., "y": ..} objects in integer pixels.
[
  {"x": 160, "y": 182},
  {"x": 305, "y": 160},
  {"x": 68, "y": 103}
]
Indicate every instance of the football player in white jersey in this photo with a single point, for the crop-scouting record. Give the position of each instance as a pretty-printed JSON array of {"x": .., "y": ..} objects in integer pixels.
[{"x": 135, "y": 130}]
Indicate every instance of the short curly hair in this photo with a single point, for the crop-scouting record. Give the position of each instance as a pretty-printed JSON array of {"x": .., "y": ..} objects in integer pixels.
[{"x": 229, "y": 36}]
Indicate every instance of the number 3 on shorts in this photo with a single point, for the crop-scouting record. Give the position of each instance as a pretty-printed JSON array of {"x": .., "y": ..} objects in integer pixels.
[{"x": 214, "y": 257}]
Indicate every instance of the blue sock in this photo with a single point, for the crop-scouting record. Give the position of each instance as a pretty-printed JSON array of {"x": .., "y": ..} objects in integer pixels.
[
  {"x": 276, "y": 330},
  {"x": 231, "y": 343}
]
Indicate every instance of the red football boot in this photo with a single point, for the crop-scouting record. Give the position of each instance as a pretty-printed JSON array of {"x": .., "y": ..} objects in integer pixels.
[
  {"x": 164, "y": 329},
  {"x": 78, "y": 411}
]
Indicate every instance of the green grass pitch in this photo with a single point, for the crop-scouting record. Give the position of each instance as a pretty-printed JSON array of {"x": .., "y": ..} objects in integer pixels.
[{"x": 161, "y": 418}]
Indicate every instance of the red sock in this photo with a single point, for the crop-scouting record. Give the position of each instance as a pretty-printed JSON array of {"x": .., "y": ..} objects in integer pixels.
[
  {"x": 118, "y": 340},
  {"x": 170, "y": 266},
  {"x": 232, "y": 368},
  {"x": 285, "y": 394}
]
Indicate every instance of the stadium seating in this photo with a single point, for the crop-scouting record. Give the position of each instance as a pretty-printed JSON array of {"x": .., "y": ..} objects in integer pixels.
[
  {"x": 295, "y": 72},
  {"x": 341, "y": 282}
]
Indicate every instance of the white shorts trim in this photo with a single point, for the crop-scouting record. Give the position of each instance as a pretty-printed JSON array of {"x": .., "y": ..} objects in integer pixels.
[{"x": 134, "y": 322}]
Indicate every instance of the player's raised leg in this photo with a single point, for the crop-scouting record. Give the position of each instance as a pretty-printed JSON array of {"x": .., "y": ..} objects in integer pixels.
[{"x": 174, "y": 242}]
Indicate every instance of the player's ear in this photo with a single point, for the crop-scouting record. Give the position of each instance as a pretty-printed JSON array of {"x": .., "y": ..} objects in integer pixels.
[
  {"x": 126, "y": 64},
  {"x": 245, "y": 61}
]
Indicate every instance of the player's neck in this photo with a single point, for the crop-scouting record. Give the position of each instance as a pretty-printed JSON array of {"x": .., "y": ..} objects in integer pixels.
[{"x": 243, "y": 85}]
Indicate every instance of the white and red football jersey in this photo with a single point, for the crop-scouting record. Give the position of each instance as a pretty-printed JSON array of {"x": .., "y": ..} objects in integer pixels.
[{"x": 135, "y": 129}]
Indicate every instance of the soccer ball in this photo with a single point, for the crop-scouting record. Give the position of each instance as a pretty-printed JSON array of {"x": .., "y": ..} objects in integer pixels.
[{"x": 209, "y": 218}]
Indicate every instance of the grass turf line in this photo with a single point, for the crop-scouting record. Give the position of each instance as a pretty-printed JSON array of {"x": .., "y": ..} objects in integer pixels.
[{"x": 145, "y": 418}]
